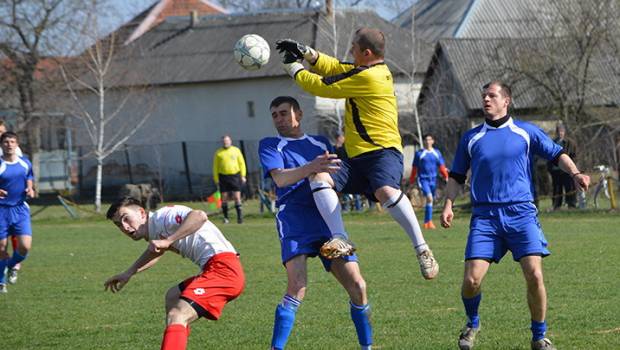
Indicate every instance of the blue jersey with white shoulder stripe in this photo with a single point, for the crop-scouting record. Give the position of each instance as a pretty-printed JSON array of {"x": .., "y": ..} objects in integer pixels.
[
  {"x": 427, "y": 163},
  {"x": 501, "y": 160},
  {"x": 288, "y": 153},
  {"x": 13, "y": 178}
]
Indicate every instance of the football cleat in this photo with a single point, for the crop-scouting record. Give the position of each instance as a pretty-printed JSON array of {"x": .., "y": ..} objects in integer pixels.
[
  {"x": 429, "y": 225},
  {"x": 225, "y": 221},
  {"x": 3, "y": 289},
  {"x": 467, "y": 337},
  {"x": 543, "y": 344},
  {"x": 12, "y": 275},
  {"x": 428, "y": 265},
  {"x": 336, "y": 247}
]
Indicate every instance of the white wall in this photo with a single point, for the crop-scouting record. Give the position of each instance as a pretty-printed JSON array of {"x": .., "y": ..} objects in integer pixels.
[{"x": 204, "y": 112}]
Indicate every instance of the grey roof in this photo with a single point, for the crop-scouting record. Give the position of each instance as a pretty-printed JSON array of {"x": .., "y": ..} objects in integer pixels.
[
  {"x": 474, "y": 62},
  {"x": 437, "y": 19},
  {"x": 174, "y": 53}
]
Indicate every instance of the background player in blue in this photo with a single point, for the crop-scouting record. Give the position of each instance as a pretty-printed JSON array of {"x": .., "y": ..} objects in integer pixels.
[
  {"x": 16, "y": 181},
  {"x": 289, "y": 159},
  {"x": 499, "y": 153},
  {"x": 426, "y": 162}
]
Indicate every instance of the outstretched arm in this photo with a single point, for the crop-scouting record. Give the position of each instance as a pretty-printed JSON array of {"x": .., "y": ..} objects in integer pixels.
[
  {"x": 582, "y": 181},
  {"x": 452, "y": 190},
  {"x": 145, "y": 261}
]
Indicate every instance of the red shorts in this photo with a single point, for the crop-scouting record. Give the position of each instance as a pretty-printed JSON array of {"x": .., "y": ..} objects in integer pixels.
[{"x": 221, "y": 281}]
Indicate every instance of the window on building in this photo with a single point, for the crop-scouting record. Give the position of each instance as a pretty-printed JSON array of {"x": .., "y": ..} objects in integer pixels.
[{"x": 251, "y": 109}]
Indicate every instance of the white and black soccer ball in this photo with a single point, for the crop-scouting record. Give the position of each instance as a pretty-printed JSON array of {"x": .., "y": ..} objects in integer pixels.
[{"x": 251, "y": 51}]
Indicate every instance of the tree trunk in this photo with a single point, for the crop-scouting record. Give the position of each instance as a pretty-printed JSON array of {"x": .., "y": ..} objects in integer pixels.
[{"x": 98, "y": 185}]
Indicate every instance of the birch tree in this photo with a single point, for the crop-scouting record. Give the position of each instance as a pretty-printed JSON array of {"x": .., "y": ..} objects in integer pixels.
[{"x": 110, "y": 116}]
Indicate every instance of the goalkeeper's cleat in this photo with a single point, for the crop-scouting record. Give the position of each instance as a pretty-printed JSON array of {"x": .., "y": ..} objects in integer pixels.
[
  {"x": 543, "y": 344},
  {"x": 3, "y": 289},
  {"x": 336, "y": 247},
  {"x": 467, "y": 337},
  {"x": 428, "y": 265},
  {"x": 11, "y": 275}
]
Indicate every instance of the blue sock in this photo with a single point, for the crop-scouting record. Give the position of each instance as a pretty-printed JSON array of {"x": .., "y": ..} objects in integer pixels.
[
  {"x": 16, "y": 259},
  {"x": 428, "y": 212},
  {"x": 285, "y": 318},
  {"x": 3, "y": 264},
  {"x": 360, "y": 314},
  {"x": 471, "y": 309},
  {"x": 538, "y": 330}
]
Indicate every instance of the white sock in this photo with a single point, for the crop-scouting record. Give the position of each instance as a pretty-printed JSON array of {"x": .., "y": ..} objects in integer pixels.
[
  {"x": 328, "y": 204},
  {"x": 401, "y": 210}
]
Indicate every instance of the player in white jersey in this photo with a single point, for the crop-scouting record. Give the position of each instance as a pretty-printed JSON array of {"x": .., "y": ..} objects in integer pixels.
[{"x": 189, "y": 233}]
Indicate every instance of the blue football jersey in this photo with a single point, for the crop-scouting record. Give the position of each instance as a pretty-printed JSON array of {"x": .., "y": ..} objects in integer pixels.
[
  {"x": 428, "y": 163},
  {"x": 287, "y": 153},
  {"x": 13, "y": 177},
  {"x": 501, "y": 160}
]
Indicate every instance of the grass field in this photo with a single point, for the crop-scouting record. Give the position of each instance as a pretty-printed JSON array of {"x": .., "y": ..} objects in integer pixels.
[{"x": 59, "y": 302}]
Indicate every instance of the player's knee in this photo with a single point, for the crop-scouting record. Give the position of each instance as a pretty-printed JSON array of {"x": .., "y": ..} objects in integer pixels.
[
  {"x": 359, "y": 287},
  {"x": 322, "y": 177},
  {"x": 178, "y": 316},
  {"x": 471, "y": 284},
  {"x": 534, "y": 277}
]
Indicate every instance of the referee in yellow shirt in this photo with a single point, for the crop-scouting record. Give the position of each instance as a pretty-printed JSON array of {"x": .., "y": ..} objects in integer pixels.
[
  {"x": 372, "y": 139},
  {"x": 229, "y": 174}
]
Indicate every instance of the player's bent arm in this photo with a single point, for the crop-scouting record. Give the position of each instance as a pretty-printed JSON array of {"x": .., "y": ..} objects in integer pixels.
[
  {"x": 567, "y": 165},
  {"x": 30, "y": 188},
  {"x": 323, "y": 163},
  {"x": 192, "y": 223}
]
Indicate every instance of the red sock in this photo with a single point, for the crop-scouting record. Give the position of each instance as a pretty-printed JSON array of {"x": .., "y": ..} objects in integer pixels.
[{"x": 175, "y": 337}]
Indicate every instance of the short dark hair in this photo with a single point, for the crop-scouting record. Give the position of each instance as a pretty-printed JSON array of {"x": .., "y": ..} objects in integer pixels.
[
  {"x": 371, "y": 39},
  {"x": 122, "y": 202},
  {"x": 504, "y": 88},
  {"x": 9, "y": 135},
  {"x": 427, "y": 135},
  {"x": 285, "y": 99}
]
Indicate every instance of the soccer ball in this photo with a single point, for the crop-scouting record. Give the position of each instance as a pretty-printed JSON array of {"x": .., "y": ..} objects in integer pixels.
[{"x": 251, "y": 52}]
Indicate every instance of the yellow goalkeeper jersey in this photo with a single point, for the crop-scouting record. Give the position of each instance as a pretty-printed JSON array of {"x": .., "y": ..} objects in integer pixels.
[
  {"x": 371, "y": 116},
  {"x": 228, "y": 161}
]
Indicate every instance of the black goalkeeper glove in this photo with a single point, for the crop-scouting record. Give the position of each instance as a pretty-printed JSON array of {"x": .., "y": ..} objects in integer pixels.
[
  {"x": 290, "y": 63},
  {"x": 297, "y": 49}
]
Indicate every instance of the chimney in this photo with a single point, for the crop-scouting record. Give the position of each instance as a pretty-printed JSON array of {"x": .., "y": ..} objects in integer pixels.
[{"x": 193, "y": 18}]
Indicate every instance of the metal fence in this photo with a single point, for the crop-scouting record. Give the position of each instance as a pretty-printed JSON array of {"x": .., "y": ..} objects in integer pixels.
[{"x": 180, "y": 170}]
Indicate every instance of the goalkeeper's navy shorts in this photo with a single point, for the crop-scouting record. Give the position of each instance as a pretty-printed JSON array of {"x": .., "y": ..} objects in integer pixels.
[
  {"x": 370, "y": 171},
  {"x": 495, "y": 229},
  {"x": 302, "y": 230}
]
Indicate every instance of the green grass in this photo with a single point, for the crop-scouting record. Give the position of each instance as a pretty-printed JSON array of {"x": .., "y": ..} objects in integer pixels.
[{"x": 59, "y": 302}]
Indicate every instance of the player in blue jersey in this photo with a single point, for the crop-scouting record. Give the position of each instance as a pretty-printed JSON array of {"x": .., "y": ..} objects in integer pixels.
[
  {"x": 16, "y": 183},
  {"x": 426, "y": 162},
  {"x": 499, "y": 153},
  {"x": 289, "y": 159}
]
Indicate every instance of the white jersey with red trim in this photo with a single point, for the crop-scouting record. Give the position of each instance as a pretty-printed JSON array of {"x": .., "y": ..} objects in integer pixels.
[{"x": 200, "y": 246}]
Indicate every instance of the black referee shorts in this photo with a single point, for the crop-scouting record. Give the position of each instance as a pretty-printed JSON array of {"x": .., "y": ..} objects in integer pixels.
[{"x": 230, "y": 183}]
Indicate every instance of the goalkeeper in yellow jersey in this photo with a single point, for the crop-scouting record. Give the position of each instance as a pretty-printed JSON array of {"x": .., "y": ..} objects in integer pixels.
[{"x": 372, "y": 140}]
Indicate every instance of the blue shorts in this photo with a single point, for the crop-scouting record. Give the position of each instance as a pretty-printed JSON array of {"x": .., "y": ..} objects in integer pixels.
[
  {"x": 427, "y": 186},
  {"x": 15, "y": 220},
  {"x": 370, "y": 171},
  {"x": 496, "y": 229},
  {"x": 302, "y": 230}
]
